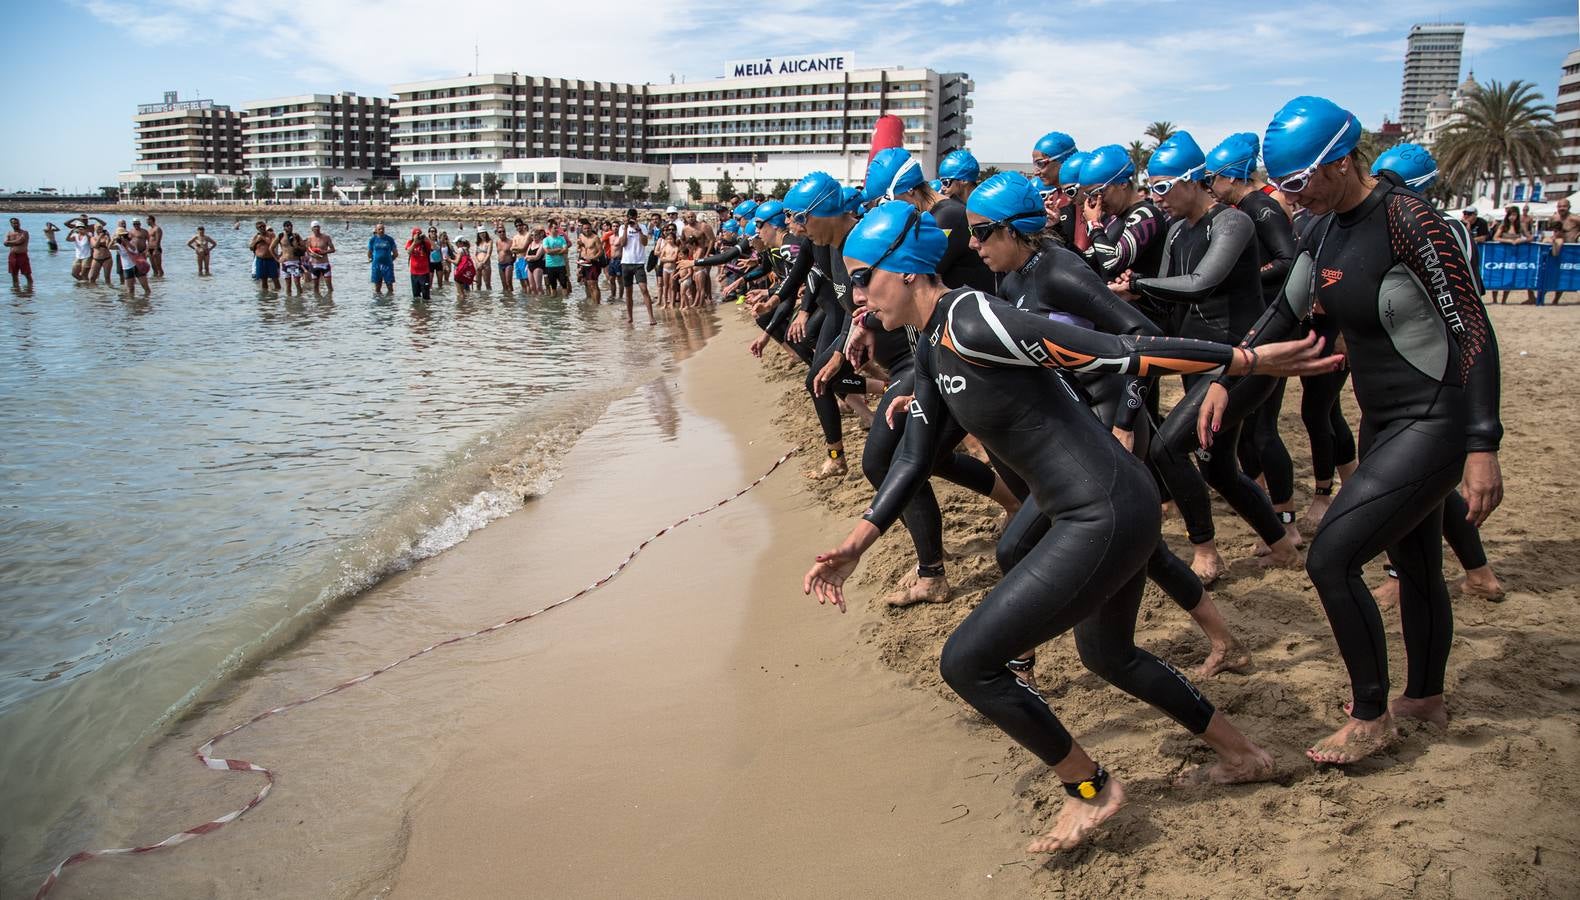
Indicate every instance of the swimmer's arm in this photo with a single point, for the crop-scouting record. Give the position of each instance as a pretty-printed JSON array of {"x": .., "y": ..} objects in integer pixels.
[
  {"x": 1276, "y": 235},
  {"x": 728, "y": 254},
  {"x": 1232, "y": 232},
  {"x": 1081, "y": 293},
  {"x": 993, "y": 333},
  {"x": 1416, "y": 227},
  {"x": 1282, "y": 319},
  {"x": 925, "y": 431}
]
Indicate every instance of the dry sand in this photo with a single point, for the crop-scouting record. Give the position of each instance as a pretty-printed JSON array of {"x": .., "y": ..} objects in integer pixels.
[{"x": 1486, "y": 808}]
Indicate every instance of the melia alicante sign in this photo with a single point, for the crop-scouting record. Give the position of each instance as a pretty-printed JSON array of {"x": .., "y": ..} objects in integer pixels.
[{"x": 817, "y": 63}]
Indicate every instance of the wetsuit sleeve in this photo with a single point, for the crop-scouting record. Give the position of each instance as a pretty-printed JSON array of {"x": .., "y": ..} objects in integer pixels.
[
  {"x": 728, "y": 254},
  {"x": 993, "y": 333},
  {"x": 1079, "y": 292},
  {"x": 1423, "y": 242},
  {"x": 1232, "y": 232},
  {"x": 951, "y": 219},
  {"x": 1114, "y": 255},
  {"x": 1283, "y": 317},
  {"x": 1276, "y": 236},
  {"x": 797, "y": 275},
  {"x": 925, "y": 432}
]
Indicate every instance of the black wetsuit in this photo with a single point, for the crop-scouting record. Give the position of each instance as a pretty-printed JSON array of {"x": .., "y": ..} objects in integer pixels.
[
  {"x": 1425, "y": 366},
  {"x": 1262, "y": 451},
  {"x": 1058, "y": 283},
  {"x": 961, "y": 266},
  {"x": 984, "y": 366},
  {"x": 1214, "y": 272},
  {"x": 1133, "y": 241},
  {"x": 777, "y": 320}
]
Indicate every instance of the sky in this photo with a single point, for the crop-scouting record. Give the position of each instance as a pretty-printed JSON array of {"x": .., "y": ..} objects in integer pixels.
[{"x": 1209, "y": 66}]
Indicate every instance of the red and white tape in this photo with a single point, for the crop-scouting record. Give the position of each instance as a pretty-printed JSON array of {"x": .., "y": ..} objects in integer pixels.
[{"x": 205, "y": 755}]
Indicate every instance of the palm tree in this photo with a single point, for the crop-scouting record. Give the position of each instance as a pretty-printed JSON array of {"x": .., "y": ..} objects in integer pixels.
[
  {"x": 1160, "y": 132},
  {"x": 1502, "y": 129},
  {"x": 1139, "y": 154}
]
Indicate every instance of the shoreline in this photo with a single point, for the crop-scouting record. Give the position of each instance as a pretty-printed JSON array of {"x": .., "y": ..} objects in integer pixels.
[{"x": 357, "y": 212}]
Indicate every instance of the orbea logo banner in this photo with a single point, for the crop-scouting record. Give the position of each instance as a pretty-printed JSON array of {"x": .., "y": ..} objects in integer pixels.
[
  {"x": 1529, "y": 267},
  {"x": 836, "y": 63}
]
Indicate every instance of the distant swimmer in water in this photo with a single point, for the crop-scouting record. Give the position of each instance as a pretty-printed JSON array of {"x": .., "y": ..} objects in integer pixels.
[
  {"x": 985, "y": 367},
  {"x": 202, "y": 244}
]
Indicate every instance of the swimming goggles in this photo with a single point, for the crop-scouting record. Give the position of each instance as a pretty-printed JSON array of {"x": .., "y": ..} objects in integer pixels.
[
  {"x": 1297, "y": 182},
  {"x": 984, "y": 230},
  {"x": 1163, "y": 186}
]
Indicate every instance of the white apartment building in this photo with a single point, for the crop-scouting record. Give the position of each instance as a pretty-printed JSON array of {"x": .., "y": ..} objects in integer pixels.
[
  {"x": 188, "y": 141},
  {"x": 1566, "y": 180},
  {"x": 782, "y": 117},
  {"x": 332, "y": 144},
  {"x": 1431, "y": 67}
]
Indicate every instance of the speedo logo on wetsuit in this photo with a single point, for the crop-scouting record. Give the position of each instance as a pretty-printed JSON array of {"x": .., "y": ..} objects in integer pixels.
[
  {"x": 1330, "y": 277},
  {"x": 1439, "y": 287}
]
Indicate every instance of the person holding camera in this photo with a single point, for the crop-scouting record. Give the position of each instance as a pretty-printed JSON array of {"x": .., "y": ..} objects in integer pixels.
[{"x": 633, "y": 265}]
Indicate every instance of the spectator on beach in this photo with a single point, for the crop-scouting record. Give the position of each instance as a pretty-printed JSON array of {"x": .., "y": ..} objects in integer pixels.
[
  {"x": 288, "y": 251},
  {"x": 1563, "y": 228},
  {"x": 419, "y": 254},
  {"x": 483, "y": 255},
  {"x": 265, "y": 265},
  {"x": 319, "y": 247},
  {"x": 156, "y": 246},
  {"x": 465, "y": 269},
  {"x": 82, "y": 239},
  {"x": 134, "y": 263},
  {"x": 1511, "y": 230},
  {"x": 50, "y": 229},
  {"x": 102, "y": 251},
  {"x": 381, "y": 260},
  {"x": 555, "y": 250},
  {"x": 202, "y": 244}
]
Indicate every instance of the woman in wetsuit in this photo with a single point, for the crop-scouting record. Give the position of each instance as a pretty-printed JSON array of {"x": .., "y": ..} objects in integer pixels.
[
  {"x": 1036, "y": 273},
  {"x": 985, "y": 367},
  {"x": 1425, "y": 367},
  {"x": 1230, "y": 166},
  {"x": 1212, "y": 273}
]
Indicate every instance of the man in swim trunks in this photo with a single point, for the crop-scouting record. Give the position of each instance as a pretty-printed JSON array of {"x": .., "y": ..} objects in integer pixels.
[
  {"x": 288, "y": 248},
  {"x": 17, "y": 262},
  {"x": 156, "y": 246},
  {"x": 202, "y": 244},
  {"x": 50, "y": 229},
  {"x": 504, "y": 256},
  {"x": 555, "y": 247},
  {"x": 1565, "y": 228},
  {"x": 589, "y": 260},
  {"x": 381, "y": 260},
  {"x": 519, "y": 243},
  {"x": 319, "y": 246},
  {"x": 265, "y": 267}
]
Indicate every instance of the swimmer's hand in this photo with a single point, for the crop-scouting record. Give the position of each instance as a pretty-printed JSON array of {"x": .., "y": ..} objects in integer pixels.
[
  {"x": 1482, "y": 486},
  {"x": 1121, "y": 287},
  {"x": 756, "y": 295},
  {"x": 859, "y": 348},
  {"x": 1286, "y": 359},
  {"x": 900, "y": 405},
  {"x": 1092, "y": 210},
  {"x": 826, "y": 578},
  {"x": 758, "y": 345},
  {"x": 1125, "y": 436},
  {"x": 820, "y": 380},
  {"x": 1210, "y": 419},
  {"x": 796, "y": 333}
]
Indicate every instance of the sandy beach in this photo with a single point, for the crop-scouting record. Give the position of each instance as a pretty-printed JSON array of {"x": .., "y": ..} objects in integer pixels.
[{"x": 699, "y": 728}]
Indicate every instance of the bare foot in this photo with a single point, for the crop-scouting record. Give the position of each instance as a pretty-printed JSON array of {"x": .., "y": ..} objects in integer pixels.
[
  {"x": 1431, "y": 710},
  {"x": 1315, "y": 512},
  {"x": 1208, "y": 565},
  {"x": 1249, "y": 768},
  {"x": 1355, "y": 741},
  {"x": 1282, "y": 555},
  {"x": 1230, "y": 657},
  {"x": 1481, "y": 584},
  {"x": 1168, "y": 508},
  {"x": 832, "y": 468},
  {"x": 1387, "y": 593},
  {"x": 1078, "y": 818},
  {"x": 923, "y": 590}
]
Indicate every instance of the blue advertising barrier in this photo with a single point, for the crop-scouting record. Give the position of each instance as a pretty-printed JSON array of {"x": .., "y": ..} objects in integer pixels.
[{"x": 1530, "y": 267}]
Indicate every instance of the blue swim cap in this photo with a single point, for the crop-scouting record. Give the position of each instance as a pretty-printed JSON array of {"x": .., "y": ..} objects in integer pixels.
[
  {"x": 960, "y": 166},
  {"x": 1308, "y": 131},
  {"x": 936, "y": 184},
  {"x": 1070, "y": 171},
  {"x": 1411, "y": 162},
  {"x": 1108, "y": 164},
  {"x": 1056, "y": 145},
  {"x": 730, "y": 226},
  {"x": 1011, "y": 198},
  {"x": 1235, "y": 156},
  {"x": 1179, "y": 158},
  {"x": 897, "y": 237},
  {"x": 818, "y": 195},
  {"x": 751, "y": 230},
  {"x": 891, "y": 173},
  {"x": 746, "y": 208},
  {"x": 850, "y": 198},
  {"x": 771, "y": 212}
]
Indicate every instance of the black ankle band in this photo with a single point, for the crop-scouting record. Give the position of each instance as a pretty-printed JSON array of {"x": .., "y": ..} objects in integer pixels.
[
  {"x": 1322, "y": 491},
  {"x": 1090, "y": 788},
  {"x": 930, "y": 571}
]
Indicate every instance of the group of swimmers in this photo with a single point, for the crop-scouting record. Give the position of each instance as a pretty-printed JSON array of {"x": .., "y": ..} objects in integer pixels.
[
  {"x": 1035, "y": 317},
  {"x": 130, "y": 253}
]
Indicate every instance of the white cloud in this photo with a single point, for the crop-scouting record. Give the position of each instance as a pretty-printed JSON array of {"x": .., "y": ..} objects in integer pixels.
[{"x": 1479, "y": 38}]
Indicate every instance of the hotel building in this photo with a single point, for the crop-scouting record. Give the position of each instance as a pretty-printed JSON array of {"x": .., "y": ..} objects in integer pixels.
[
  {"x": 330, "y": 143},
  {"x": 1431, "y": 67},
  {"x": 184, "y": 141},
  {"x": 1566, "y": 180}
]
